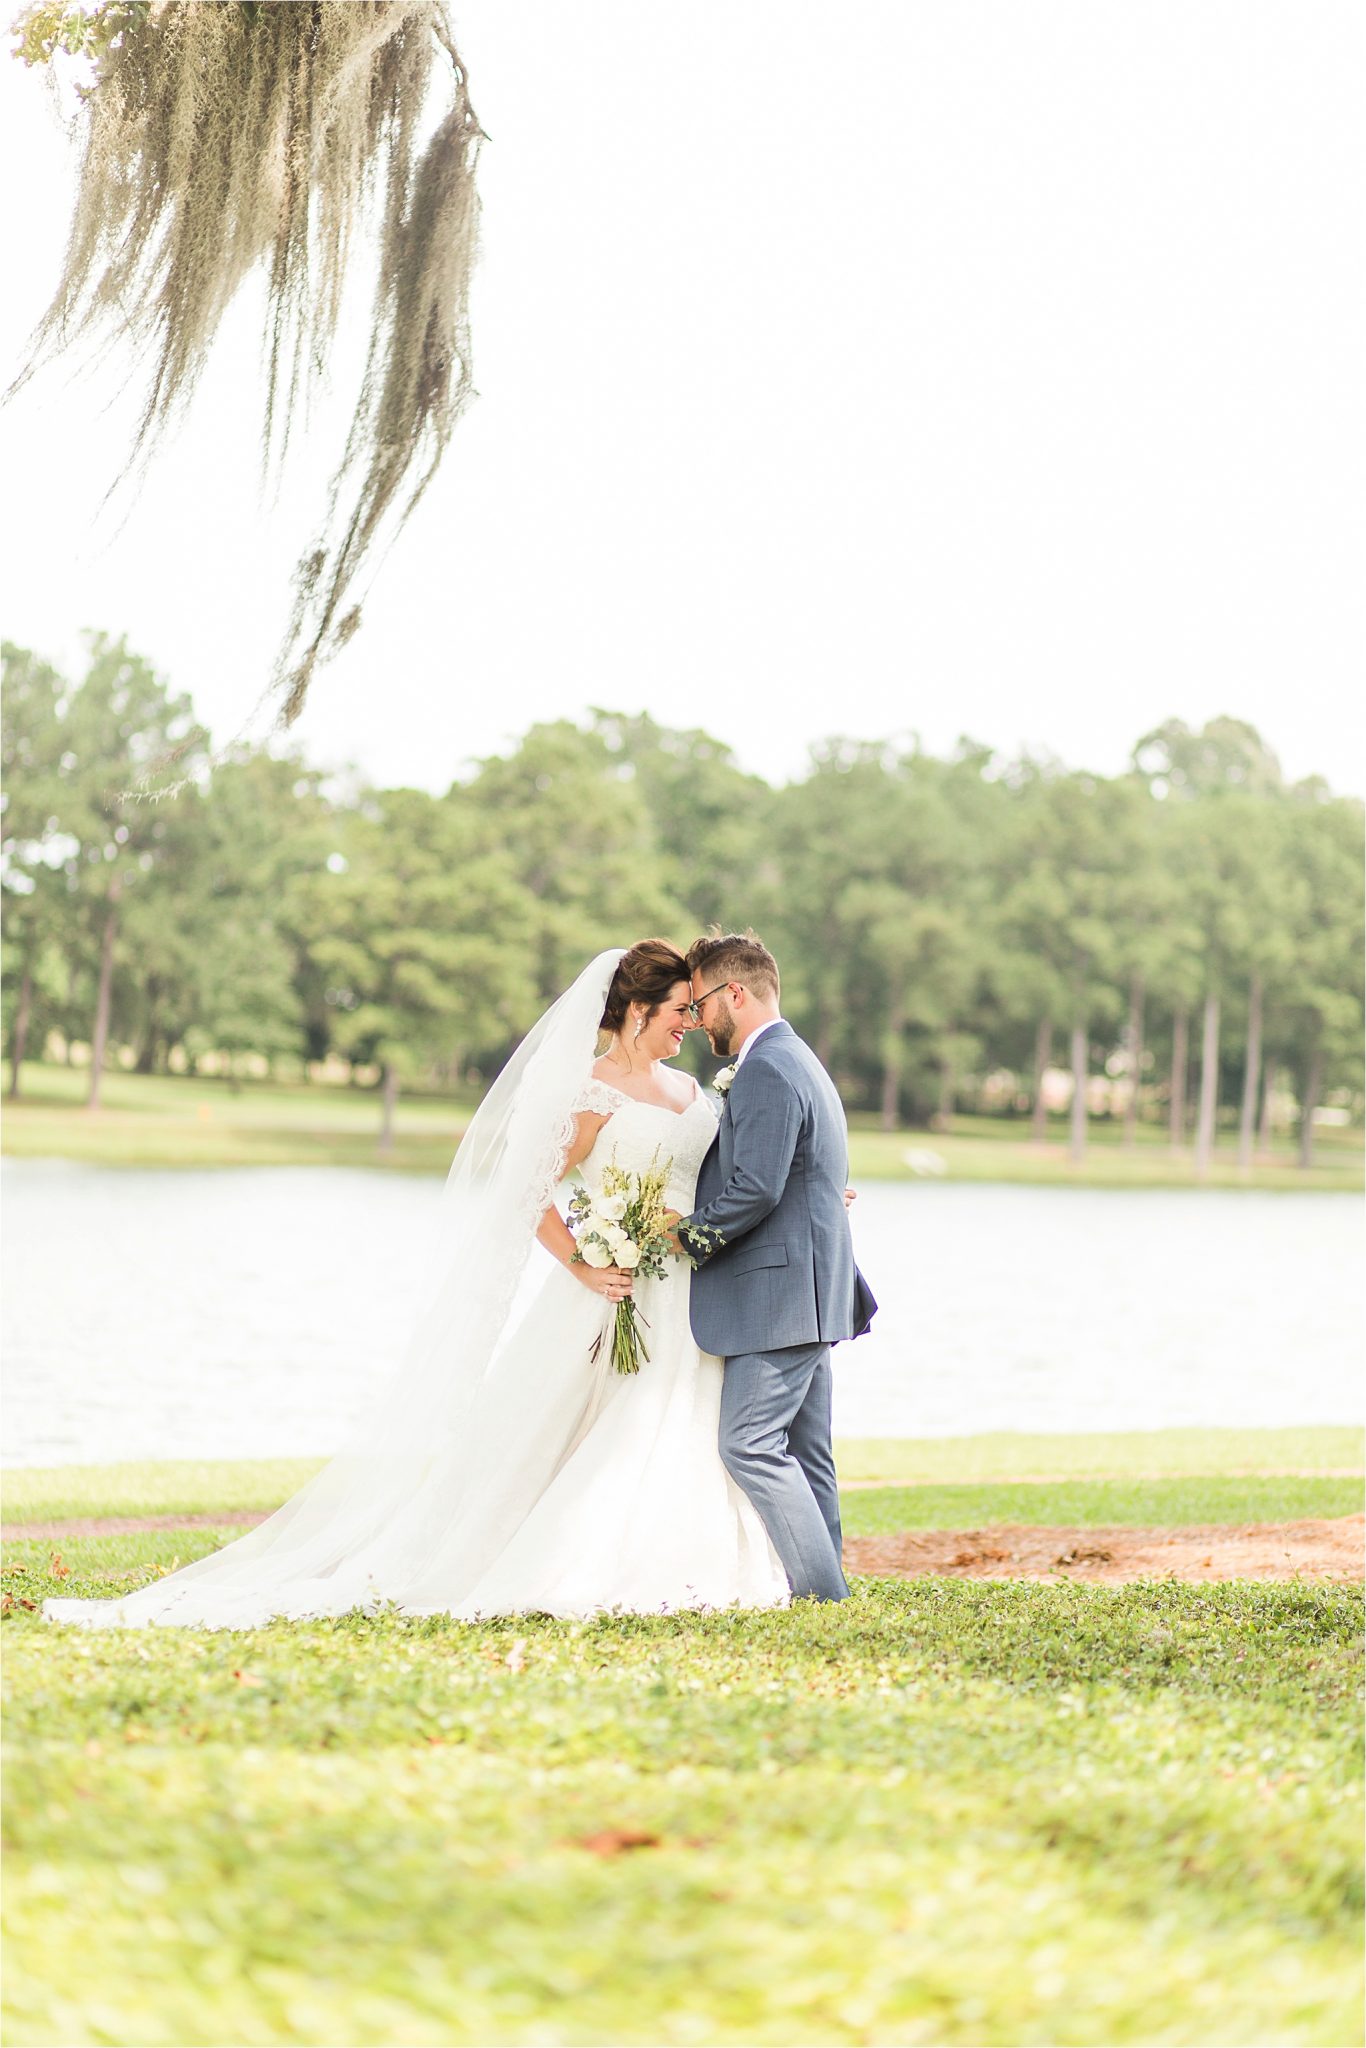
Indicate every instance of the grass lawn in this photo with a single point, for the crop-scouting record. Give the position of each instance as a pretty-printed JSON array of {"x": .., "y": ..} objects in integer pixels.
[
  {"x": 942, "y": 1812},
  {"x": 1101, "y": 1503},
  {"x": 939, "y": 1464},
  {"x": 152, "y": 1120},
  {"x": 160, "y": 1120},
  {"x": 1167, "y": 1453}
]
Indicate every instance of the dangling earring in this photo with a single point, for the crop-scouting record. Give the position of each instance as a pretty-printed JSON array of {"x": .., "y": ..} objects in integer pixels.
[{"x": 640, "y": 1026}]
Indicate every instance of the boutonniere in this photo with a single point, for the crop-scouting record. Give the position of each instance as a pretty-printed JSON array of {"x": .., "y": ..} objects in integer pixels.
[{"x": 721, "y": 1082}]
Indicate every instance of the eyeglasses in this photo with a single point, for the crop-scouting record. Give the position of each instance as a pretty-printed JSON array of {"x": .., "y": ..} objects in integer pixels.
[{"x": 695, "y": 1009}]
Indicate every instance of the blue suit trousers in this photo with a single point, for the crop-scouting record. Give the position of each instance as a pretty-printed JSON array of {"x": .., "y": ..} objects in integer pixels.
[{"x": 775, "y": 1443}]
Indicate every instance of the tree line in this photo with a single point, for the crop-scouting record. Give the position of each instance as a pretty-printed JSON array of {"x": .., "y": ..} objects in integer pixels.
[{"x": 950, "y": 929}]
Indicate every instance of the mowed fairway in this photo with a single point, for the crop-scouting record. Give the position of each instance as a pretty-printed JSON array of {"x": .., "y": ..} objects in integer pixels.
[{"x": 945, "y": 1811}]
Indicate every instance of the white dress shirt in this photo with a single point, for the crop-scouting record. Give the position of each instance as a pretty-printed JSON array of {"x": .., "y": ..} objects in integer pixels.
[{"x": 753, "y": 1039}]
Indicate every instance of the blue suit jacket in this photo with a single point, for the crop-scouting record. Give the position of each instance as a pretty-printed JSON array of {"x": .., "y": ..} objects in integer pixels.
[{"x": 770, "y": 1233}]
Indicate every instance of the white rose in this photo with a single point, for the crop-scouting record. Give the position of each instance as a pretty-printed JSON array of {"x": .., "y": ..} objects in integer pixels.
[
  {"x": 615, "y": 1236},
  {"x": 628, "y": 1255},
  {"x": 611, "y": 1208},
  {"x": 595, "y": 1253}
]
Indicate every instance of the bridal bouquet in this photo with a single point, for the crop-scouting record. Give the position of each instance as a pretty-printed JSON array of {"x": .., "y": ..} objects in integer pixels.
[{"x": 621, "y": 1224}]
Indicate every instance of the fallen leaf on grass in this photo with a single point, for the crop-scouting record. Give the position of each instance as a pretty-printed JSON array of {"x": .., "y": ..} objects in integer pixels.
[
  {"x": 248, "y": 1678},
  {"x": 10, "y": 1601},
  {"x": 616, "y": 1841},
  {"x": 57, "y": 1568}
]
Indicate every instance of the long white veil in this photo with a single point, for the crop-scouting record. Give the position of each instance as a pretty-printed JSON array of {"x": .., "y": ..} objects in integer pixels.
[{"x": 358, "y": 1533}]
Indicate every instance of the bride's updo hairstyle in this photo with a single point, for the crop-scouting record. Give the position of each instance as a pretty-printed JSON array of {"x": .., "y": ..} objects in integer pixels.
[{"x": 646, "y": 974}]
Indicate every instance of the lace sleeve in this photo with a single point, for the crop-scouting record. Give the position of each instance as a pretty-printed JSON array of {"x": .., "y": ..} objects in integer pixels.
[{"x": 598, "y": 1098}]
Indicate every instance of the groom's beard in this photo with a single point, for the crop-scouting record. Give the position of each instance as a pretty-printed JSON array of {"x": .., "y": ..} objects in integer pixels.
[{"x": 722, "y": 1031}]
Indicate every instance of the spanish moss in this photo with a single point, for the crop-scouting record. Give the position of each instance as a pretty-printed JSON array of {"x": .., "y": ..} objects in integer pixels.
[{"x": 223, "y": 139}]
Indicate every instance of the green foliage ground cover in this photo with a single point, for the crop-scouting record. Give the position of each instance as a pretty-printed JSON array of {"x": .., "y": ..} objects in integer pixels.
[
  {"x": 170, "y": 1120},
  {"x": 942, "y": 1812},
  {"x": 199, "y": 1486}
]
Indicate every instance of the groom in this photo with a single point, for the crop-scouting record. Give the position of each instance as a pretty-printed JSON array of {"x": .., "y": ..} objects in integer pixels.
[{"x": 775, "y": 1282}]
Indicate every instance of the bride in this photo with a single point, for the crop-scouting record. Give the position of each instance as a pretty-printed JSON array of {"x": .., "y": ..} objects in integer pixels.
[{"x": 507, "y": 1469}]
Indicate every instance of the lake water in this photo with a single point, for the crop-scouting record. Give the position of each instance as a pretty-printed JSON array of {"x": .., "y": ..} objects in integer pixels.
[{"x": 250, "y": 1313}]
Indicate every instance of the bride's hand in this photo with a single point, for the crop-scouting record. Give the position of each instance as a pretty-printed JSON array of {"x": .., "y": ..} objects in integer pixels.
[
  {"x": 612, "y": 1282},
  {"x": 850, "y": 1197}
]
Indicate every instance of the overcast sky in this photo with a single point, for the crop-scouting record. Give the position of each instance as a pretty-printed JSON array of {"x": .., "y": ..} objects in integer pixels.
[{"x": 985, "y": 368}]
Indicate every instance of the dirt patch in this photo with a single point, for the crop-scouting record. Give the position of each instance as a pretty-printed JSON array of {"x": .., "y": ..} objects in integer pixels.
[{"x": 1327, "y": 1550}]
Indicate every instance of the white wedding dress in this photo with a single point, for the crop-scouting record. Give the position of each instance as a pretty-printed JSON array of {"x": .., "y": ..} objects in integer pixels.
[
  {"x": 540, "y": 1481},
  {"x": 637, "y": 1513}
]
